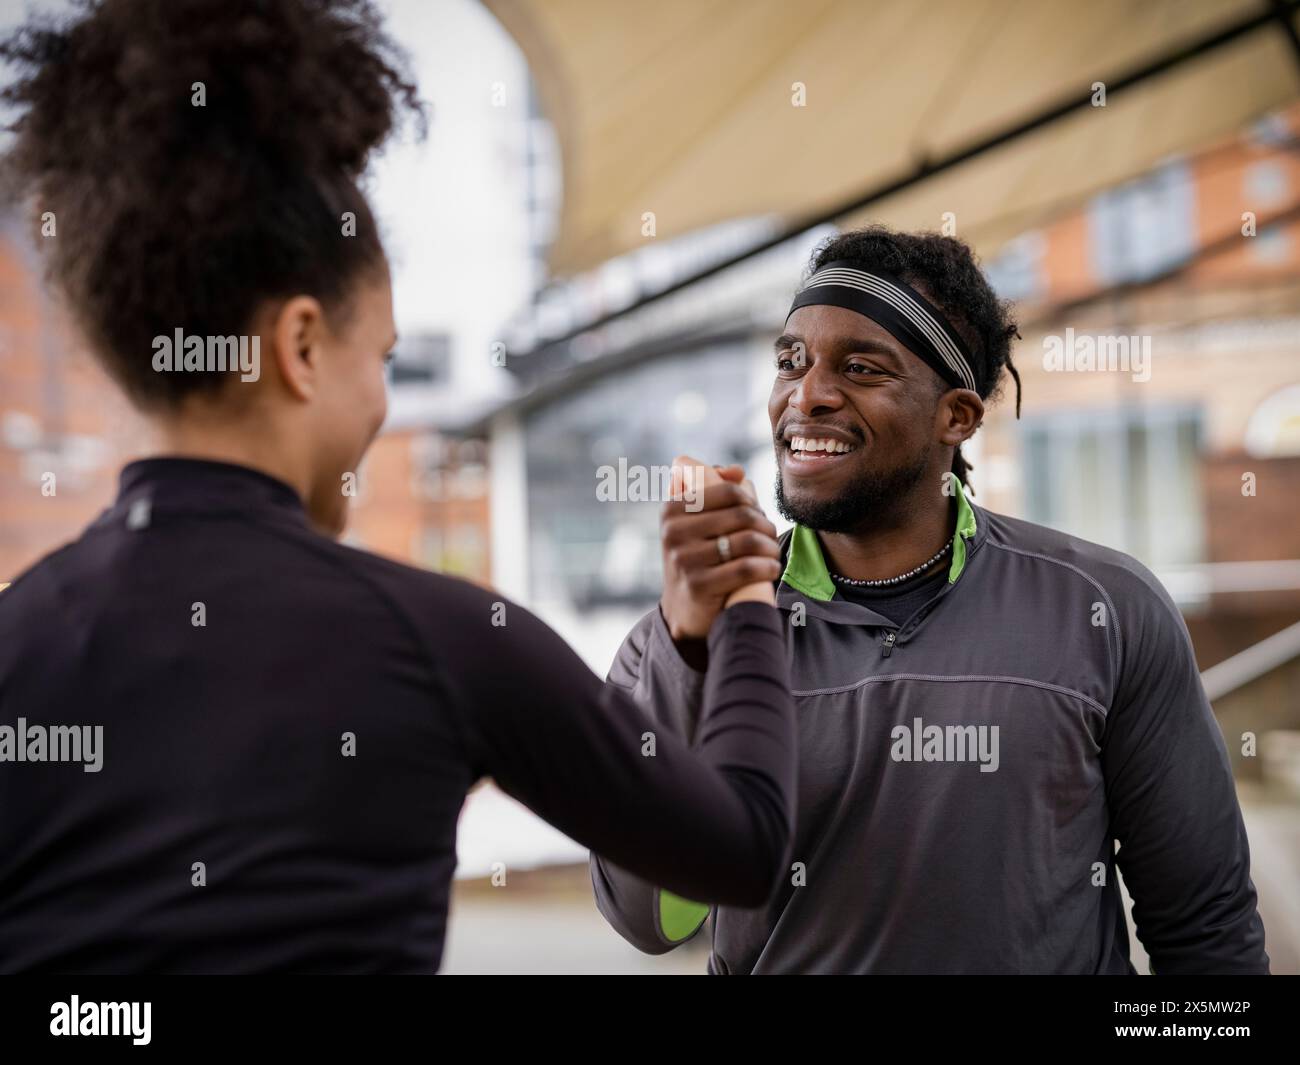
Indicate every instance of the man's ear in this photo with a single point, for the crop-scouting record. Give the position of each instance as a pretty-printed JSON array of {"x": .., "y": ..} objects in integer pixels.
[
  {"x": 296, "y": 334},
  {"x": 960, "y": 412}
]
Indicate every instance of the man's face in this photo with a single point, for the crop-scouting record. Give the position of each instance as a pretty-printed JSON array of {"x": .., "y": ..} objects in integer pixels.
[{"x": 844, "y": 382}]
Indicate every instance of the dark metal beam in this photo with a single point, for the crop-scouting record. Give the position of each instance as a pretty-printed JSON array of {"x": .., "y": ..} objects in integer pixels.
[{"x": 1283, "y": 12}]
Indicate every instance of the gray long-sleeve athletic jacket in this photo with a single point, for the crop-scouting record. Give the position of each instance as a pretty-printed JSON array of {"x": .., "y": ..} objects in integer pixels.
[{"x": 964, "y": 777}]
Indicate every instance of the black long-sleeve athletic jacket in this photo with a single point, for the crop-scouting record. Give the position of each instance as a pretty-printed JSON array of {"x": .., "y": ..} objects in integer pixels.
[{"x": 228, "y": 743}]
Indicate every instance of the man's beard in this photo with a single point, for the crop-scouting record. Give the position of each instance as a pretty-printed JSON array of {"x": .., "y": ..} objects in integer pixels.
[{"x": 870, "y": 498}]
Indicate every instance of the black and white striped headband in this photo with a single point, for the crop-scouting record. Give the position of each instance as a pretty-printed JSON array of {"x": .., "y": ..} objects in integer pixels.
[{"x": 899, "y": 308}]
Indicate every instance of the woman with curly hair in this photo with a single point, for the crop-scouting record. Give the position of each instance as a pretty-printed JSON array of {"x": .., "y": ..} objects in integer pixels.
[{"x": 276, "y": 732}]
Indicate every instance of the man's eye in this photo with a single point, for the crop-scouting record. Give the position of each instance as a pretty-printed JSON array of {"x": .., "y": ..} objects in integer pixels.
[
  {"x": 388, "y": 358},
  {"x": 862, "y": 368},
  {"x": 787, "y": 361}
]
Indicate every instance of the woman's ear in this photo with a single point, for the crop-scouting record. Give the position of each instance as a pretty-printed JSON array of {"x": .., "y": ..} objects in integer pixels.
[{"x": 296, "y": 334}]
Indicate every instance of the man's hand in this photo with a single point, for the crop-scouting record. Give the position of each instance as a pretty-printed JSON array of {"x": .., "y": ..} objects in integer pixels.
[{"x": 698, "y": 581}]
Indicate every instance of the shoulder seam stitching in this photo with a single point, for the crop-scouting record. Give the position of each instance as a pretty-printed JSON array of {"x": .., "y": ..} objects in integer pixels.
[
  {"x": 958, "y": 678},
  {"x": 1115, "y": 654}
]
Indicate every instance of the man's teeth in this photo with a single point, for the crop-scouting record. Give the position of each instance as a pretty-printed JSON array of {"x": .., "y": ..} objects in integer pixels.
[{"x": 802, "y": 443}]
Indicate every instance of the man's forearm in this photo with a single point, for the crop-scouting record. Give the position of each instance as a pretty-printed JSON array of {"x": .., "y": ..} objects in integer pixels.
[{"x": 650, "y": 666}]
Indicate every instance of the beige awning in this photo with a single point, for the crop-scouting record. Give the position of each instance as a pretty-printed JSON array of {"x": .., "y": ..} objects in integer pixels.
[{"x": 684, "y": 108}]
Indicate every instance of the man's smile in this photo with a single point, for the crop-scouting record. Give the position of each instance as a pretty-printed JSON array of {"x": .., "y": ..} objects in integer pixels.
[{"x": 808, "y": 450}]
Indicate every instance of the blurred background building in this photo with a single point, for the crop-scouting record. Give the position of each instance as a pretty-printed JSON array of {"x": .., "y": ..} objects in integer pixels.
[{"x": 643, "y": 183}]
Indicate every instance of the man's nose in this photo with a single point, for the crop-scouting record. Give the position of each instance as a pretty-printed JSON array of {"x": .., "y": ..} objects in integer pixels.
[{"x": 818, "y": 391}]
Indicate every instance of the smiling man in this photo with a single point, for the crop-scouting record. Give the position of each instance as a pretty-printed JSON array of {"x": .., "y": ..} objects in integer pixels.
[{"x": 922, "y": 629}]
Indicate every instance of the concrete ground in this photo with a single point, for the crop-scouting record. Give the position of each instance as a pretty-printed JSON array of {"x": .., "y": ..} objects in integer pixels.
[{"x": 545, "y": 921}]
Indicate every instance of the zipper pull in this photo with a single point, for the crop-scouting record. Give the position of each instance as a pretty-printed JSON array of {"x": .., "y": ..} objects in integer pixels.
[{"x": 888, "y": 646}]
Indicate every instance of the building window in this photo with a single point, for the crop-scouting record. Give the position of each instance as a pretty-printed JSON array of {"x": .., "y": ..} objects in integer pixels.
[
  {"x": 424, "y": 359},
  {"x": 1017, "y": 273},
  {"x": 1274, "y": 427},
  {"x": 1141, "y": 229},
  {"x": 589, "y": 551},
  {"x": 459, "y": 550},
  {"x": 444, "y": 468},
  {"x": 1128, "y": 478}
]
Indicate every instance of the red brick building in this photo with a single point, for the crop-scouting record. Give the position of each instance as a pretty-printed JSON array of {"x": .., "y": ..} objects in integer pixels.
[{"x": 65, "y": 431}]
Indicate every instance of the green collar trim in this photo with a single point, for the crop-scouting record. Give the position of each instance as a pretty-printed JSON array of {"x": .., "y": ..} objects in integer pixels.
[
  {"x": 805, "y": 567},
  {"x": 965, "y": 530}
]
